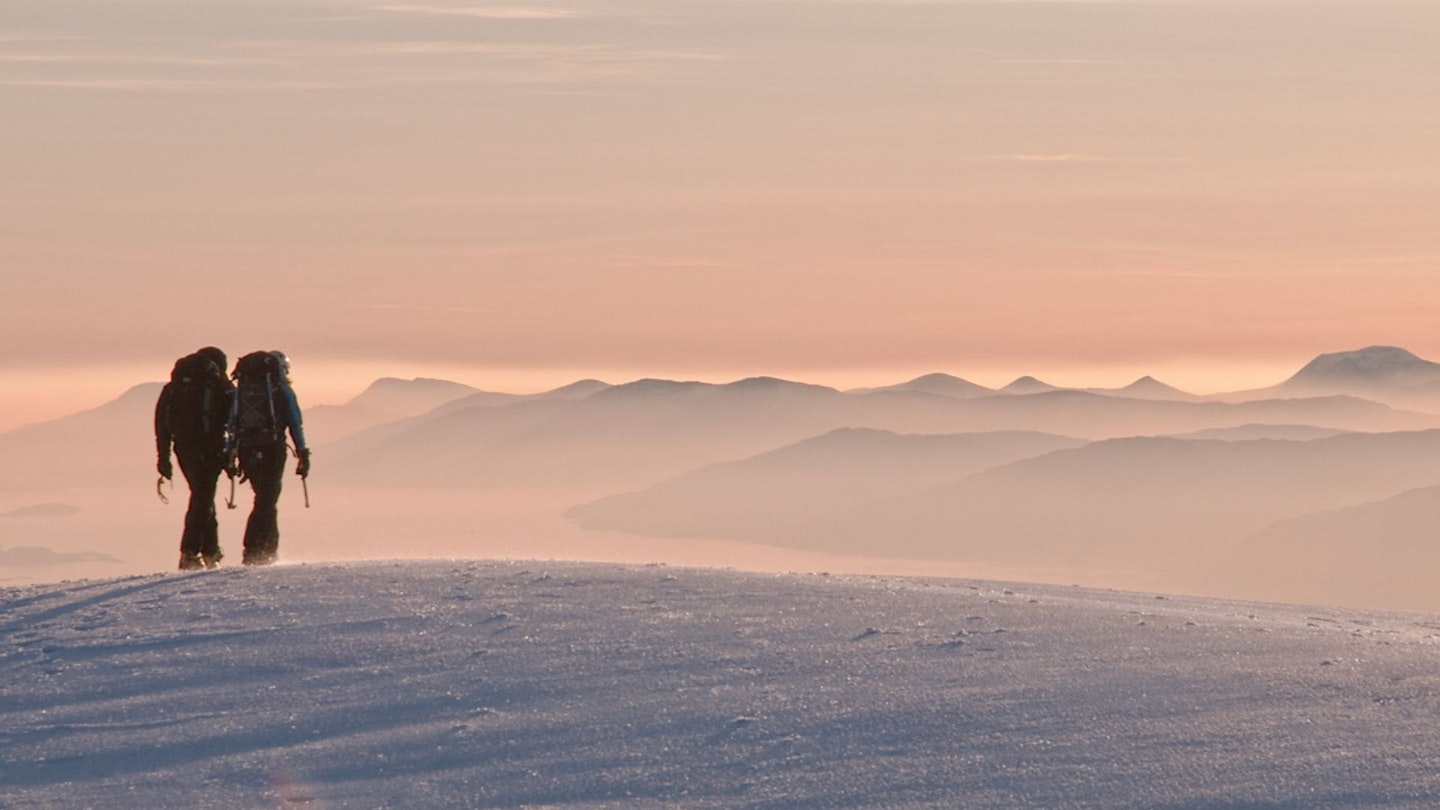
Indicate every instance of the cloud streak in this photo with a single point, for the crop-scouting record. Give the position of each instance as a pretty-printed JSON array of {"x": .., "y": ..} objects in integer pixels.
[
  {"x": 519, "y": 13},
  {"x": 163, "y": 85},
  {"x": 101, "y": 59},
  {"x": 1074, "y": 157},
  {"x": 307, "y": 66}
]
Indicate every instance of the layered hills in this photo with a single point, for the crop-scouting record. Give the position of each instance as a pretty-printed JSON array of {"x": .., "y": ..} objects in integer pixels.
[{"x": 1141, "y": 486}]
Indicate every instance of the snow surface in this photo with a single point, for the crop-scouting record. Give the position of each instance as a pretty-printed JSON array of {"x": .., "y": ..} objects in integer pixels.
[{"x": 507, "y": 684}]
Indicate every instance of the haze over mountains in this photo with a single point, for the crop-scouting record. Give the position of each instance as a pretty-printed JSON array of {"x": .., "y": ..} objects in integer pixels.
[
  {"x": 1102, "y": 503},
  {"x": 778, "y": 496},
  {"x": 1143, "y": 486},
  {"x": 385, "y": 400}
]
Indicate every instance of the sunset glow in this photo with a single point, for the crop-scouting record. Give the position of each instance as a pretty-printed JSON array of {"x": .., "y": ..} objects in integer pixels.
[{"x": 851, "y": 193}]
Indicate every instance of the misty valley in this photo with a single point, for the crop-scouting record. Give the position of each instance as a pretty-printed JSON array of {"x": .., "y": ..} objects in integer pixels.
[{"x": 1324, "y": 488}]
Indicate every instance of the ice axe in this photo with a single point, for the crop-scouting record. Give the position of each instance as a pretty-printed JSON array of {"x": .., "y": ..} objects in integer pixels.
[
  {"x": 160, "y": 490},
  {"x": 304, "y": 479},
  {"x": 232, "y": 469}
]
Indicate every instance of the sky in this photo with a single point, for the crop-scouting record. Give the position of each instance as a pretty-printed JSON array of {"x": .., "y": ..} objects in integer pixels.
[{"x": 519, "y": 194}]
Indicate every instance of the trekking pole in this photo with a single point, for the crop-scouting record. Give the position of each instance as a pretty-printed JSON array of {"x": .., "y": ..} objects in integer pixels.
[{"x": 160, "y": 490}]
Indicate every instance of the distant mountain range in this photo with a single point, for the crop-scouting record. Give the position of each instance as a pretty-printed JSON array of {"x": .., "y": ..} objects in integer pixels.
[
  {"x": 950, "y": 386},
  {"x": 436, "y": 431},
  {"x": 1383, "y": 373},
  {"x": 631, "y": 435},
  {"x": 1137, "y": 486}
]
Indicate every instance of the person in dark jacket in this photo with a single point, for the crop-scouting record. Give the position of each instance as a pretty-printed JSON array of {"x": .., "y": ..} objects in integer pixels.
[
  {"x": 191, "y": 416},
  {"x": 264, "y": 410}
]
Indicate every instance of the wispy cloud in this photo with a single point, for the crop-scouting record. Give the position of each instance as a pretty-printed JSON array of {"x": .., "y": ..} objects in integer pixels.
[
  {"x": 134, "y": 85},
  {"x": 1074, "y": 157},
  {"x": 28, "y": 38},
  {"x": 1078, "y": 62},
  {"x": 101, "y": 59},
  {"x": 243, "y": 66},
  {"x": 571, "y": 54},
  {"x": 485, "y": 12}
]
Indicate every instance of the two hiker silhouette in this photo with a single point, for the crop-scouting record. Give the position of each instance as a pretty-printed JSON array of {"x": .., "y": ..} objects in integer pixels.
[{"x": 236, "y": 425}]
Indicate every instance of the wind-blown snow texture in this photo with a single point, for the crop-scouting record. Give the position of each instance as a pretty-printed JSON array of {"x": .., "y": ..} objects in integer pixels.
[{"x": 480, "y": 684}]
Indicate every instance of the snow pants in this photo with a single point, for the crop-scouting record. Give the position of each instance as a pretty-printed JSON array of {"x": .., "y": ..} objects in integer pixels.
[
  {"x": 201, "y": 467},
  {"x": 264, "y": 466}
]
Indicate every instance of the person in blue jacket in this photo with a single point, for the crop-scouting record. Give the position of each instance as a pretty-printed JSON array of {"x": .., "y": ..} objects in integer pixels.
[{"x": 264, "y": 410}]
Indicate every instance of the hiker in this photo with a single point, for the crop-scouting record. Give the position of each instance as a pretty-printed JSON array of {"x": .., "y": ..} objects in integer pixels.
[
  {"x": 264, "y": 408},
  {"x": 191, "y": 415}
]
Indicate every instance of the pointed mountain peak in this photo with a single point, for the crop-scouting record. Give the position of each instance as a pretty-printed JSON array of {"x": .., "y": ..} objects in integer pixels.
[
  {"x": 1148, "y": 387},
  {"x": 1028, "y": 385}
]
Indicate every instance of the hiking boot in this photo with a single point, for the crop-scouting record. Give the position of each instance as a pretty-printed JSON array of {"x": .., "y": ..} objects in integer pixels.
[
  {"x": 212, "y": 560},
  {"x": 190, "y": 562},
  {"x": 258, "y": 558}
]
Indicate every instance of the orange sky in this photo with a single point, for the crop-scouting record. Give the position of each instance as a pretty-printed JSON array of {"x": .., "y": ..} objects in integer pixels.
[{"x": 857, "y": 192}]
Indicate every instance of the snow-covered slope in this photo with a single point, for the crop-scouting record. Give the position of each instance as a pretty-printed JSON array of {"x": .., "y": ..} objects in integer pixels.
[{"x": 504, "y": 684}]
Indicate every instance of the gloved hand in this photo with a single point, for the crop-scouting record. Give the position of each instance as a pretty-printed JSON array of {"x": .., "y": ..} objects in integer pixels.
[
  {"x": 164, "y": 467},
  {"x": 302, "y": 467}
]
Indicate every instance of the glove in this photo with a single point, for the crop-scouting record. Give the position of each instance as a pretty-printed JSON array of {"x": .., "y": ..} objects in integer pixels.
[
  {"x": 164, "y": 468},
  {"x": 302, "y": 467}
]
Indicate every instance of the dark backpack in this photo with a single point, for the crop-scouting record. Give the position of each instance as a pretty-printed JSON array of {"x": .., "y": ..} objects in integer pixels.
[
  {"x": 198, "y": 401},
  {"x": 258, "y": 418}
]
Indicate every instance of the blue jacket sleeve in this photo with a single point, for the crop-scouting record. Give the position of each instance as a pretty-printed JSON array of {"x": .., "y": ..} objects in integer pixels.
[{"x": 292, "y": 416}]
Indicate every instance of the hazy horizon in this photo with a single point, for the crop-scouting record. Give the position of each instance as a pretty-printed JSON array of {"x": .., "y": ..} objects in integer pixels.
[
  {"x": 43, "y": 395},
  {"x": 1267, "y": 497}
]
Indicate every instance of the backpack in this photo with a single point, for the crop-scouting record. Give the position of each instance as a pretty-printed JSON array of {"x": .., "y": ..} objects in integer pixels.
[
  {"x": 197, "y": 404},
  {"x": 258, "y": 417}
]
